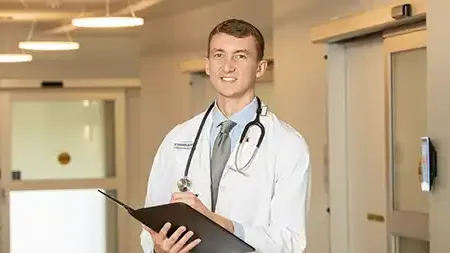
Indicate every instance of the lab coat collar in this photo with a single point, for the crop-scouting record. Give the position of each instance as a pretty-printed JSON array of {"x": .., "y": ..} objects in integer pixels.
[{"x": 241, "y": 118}]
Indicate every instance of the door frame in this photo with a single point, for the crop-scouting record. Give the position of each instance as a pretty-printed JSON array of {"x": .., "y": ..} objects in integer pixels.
[
  {"x": 338, "y": 150},
  {"x": 117, "y": 183}
]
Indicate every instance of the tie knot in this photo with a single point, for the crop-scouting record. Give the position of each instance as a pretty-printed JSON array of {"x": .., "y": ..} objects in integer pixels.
[{"x": 227, "y": 126}]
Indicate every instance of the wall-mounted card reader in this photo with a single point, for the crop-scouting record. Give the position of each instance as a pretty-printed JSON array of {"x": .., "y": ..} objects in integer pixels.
[{"x": 428, "y": 164}]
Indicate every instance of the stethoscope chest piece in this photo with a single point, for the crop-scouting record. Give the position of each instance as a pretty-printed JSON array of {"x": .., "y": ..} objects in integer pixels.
[{"x": 184, "y": 184}]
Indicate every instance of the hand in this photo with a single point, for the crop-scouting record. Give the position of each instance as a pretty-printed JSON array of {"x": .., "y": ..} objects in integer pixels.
[
  {"x": 173, "y": 244},
  {"x": 193, "y": 201}
]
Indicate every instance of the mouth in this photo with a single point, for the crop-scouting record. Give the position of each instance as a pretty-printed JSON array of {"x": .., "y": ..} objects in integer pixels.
[{"x": 228, "y": 79}]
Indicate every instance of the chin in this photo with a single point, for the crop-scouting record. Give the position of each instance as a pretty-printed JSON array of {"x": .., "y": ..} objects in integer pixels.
[
  {"x": 229, "y": 90},
  {"x": 226, "y": 90},
  {"x": 230, "y": 94}
]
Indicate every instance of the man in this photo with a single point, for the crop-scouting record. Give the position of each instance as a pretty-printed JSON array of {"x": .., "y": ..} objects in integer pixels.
[{"x": 265, "y": 205}]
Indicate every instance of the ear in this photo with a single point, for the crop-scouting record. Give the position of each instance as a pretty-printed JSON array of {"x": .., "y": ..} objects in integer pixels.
[
  {"x": 207, "y": 65},
  {"x": 262, "y": 67}
]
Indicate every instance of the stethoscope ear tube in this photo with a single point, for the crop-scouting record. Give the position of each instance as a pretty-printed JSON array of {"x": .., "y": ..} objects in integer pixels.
[
  {"x": 184, "y": 183},
  {"x": 255, "y": 122},
  {"x": 194, "y": 146}
]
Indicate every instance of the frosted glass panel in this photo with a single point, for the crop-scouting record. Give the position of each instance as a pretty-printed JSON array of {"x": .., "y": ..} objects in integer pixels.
[
  {"x": 409, "y": 124},
  {"x": 62, "y": 139},
  {"x": 411, "y": 245},
  {"x": 56, "y": 221}
]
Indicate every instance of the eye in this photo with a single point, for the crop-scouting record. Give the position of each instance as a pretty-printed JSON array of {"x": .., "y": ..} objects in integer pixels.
[
  {"x": 240, "y": 56},
  {"x": 217, "y": 55}
]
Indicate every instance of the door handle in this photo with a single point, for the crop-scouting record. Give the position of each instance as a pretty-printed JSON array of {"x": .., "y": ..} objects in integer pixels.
[
  {"x": 375, "y": 217},
  {"x": 419, "y": 171}
]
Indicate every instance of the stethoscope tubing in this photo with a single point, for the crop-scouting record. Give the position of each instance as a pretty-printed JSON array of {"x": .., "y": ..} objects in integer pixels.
[{"x": 255, "y": 122}]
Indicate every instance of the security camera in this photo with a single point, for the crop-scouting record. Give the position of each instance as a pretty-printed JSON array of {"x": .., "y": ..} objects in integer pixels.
[{"x": 401, "y": 11}]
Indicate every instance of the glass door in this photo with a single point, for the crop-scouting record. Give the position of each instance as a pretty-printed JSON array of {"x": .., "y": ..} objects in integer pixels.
[
  {"x": 406, "y": 69},
  {"x": 57, "y": 148}
]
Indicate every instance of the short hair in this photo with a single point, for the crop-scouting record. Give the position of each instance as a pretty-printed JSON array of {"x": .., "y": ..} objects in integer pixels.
[{"x": 239, "y": 29}]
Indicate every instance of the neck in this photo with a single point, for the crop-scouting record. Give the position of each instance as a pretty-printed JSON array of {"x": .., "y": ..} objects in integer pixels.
[{"x": 229, "y": 106}]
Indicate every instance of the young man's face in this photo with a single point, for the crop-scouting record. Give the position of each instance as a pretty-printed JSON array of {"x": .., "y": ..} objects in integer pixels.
[{"x": 233, "y": 65}]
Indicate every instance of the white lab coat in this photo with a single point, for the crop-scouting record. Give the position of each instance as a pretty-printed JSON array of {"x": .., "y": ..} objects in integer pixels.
[{"x": 270, "y": 201}]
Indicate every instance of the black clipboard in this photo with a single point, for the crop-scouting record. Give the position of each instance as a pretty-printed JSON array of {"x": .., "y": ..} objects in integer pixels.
[{"x": 214, "y": 237}]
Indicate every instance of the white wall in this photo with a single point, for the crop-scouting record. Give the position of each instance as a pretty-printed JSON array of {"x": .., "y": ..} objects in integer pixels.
[{"x": 438, "y": 93}]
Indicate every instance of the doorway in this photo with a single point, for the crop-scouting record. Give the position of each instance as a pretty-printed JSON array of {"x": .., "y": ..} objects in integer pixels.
[
  {"x": 58, "y": 147},
  {"x": 377, "y": 102}
]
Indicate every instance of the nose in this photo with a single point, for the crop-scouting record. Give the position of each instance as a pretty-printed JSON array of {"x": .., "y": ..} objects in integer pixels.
[{"x": 228, "y": 65}]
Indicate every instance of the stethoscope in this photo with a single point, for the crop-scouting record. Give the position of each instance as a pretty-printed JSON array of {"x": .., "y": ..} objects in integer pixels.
[{"x": 184, "y": 184}]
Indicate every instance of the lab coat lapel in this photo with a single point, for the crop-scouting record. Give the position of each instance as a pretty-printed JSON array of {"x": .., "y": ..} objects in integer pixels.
[{"x": 204, "y": 162}]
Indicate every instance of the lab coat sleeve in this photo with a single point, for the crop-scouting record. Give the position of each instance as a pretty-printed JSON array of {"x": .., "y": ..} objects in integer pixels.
[
  {"x": 158, "y": 193},
  {"x": 238, "y": 229},
  {"x": 286, "y": 232}
]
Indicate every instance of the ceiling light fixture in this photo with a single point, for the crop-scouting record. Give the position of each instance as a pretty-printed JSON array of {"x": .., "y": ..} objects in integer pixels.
[
  {"x": 49, "y": 45},
  {"x": 108, "y": 21},
  {"x": 11, "y": 58}
]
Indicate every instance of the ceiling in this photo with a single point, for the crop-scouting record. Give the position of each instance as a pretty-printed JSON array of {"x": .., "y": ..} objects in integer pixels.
[
  {"x": 54, "y": 16},
  {"x": 164, "y": 29},
  {"x": 188, "y": 32}
]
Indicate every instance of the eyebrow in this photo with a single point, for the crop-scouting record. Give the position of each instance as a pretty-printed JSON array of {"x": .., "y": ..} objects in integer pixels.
[{"x": 245, "y": 51}]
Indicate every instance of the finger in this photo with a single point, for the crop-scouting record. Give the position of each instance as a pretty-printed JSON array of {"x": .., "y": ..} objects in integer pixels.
[
  {"x": 174, "y": 237},
  {"x": 189, "y": 202},
  {"x": 177, "y": 247},
  {"x": 164, "y": 230},
  {"x": 190, "y": 246},
  {"x": 185, "y": 199},
  {"x": 181, "y": 195}
]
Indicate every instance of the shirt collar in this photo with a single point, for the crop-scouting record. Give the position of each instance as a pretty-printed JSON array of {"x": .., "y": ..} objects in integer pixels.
[{"x": 241, "y": 117}]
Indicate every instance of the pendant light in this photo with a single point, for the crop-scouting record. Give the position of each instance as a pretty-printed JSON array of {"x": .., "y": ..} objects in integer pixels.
[
  {"x": 108, "y": 21},
  {"x": 15, "y": 58},
  {"x": 48, "y": 45}
]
